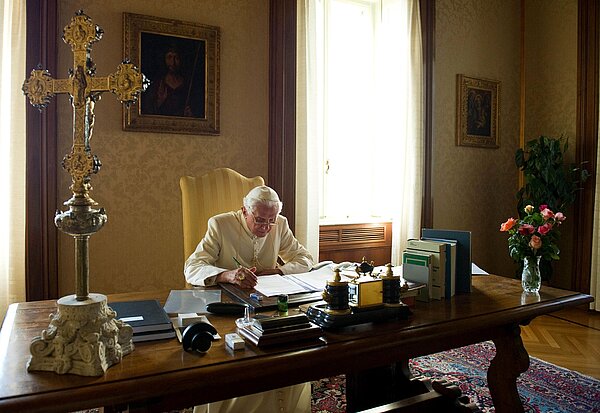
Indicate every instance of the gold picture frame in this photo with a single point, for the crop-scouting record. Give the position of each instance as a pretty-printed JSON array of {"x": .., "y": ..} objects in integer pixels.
[
  {"x": 477, "y": 106},
  {"x": 181, "y": 60}
]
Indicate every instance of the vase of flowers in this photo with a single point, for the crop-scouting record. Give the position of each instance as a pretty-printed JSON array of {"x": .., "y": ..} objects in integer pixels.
[{"x": 532, "y": 238}]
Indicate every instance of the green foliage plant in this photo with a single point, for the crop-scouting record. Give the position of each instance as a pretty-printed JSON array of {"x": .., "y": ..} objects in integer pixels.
[{"x": 547, "y": 179}]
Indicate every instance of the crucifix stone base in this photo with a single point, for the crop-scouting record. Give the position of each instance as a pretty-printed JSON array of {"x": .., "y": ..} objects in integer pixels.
[{"x": 83, "y": 338}]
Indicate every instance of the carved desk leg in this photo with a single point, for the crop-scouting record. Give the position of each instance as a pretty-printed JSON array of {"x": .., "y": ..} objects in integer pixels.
[{"x": 510, "y": 361}]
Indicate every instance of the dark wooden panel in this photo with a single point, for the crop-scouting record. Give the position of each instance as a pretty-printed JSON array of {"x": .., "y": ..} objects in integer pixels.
[
  {"x": 587, "y": 139},
  {"x": 41, "y": 259},
  {"x": 379, "y": 255},
  {"x": 427, "y": 10},
  {"x": 282, "y": 104}
]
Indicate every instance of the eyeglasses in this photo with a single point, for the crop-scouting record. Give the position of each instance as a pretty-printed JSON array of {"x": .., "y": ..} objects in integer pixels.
[{"x": 263, "y": 222}]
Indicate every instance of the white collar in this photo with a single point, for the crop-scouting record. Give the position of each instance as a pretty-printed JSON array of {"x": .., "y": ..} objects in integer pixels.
[{"x": 242, "y": 220}]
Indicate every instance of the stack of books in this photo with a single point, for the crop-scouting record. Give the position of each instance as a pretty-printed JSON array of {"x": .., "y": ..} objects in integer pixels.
[
  {"x": 461, "y": 261},
  {"x": 442, "y": 260},
  {"x": 277, "y": 330},
  {"x": 147, "y": 318}
]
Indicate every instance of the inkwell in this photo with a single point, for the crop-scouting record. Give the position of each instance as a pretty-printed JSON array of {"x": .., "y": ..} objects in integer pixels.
[{"x": 336, "y": 295}]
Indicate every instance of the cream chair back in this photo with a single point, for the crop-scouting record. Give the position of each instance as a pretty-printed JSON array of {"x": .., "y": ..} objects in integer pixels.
[{"x": 220, "y": 190}]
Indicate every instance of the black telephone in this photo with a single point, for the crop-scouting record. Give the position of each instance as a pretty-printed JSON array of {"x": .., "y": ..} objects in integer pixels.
[{"x": 198, "y": 337}]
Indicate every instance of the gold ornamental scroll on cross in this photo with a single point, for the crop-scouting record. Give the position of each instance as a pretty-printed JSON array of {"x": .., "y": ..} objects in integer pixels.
[{"x": 83, "y": 337}]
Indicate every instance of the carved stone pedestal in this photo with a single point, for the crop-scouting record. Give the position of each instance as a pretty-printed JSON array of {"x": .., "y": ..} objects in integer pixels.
[{"x": 83, "y": 338}]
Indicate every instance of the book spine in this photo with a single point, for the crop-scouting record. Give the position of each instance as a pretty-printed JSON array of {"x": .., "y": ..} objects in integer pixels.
[
  {"x": 438, "y": 263},
  {"x": 426, "y": 245},
  {"x": 417, "y": 267}
]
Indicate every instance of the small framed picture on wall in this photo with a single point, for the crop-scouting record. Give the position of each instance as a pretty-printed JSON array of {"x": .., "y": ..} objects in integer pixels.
[{"x": 477, "y": 112}]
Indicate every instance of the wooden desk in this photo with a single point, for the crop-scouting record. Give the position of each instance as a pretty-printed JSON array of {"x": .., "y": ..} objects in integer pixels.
[{"x": 161, "y": 374}]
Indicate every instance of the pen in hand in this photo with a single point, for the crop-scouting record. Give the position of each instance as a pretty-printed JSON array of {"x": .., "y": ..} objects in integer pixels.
[{"x": 241, "y": 276}]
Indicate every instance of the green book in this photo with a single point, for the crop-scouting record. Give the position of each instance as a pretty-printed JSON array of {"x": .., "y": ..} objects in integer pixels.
[{"x": 417, "y": 267}]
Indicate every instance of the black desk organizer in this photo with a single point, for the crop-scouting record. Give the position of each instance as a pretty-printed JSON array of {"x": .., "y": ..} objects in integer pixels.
[{"x": 317, "y": 314}]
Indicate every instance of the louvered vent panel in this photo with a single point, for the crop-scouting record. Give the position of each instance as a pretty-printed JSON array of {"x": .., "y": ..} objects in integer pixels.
[
  {"x": 371, "y": 234},
  {"x": 328, "y": 235}
]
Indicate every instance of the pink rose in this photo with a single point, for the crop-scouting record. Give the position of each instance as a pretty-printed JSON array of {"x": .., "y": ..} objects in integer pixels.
[
  {"x": 544, "y": 229},
  {"x": 510, "y": 222},
  {"x": 559, "y": 216},
  {"x": 547, "y": 214},
  {"x": 526, "y": 229},
  {"x": 543, "y": 206},
  {"x": 535, "y": 242}
]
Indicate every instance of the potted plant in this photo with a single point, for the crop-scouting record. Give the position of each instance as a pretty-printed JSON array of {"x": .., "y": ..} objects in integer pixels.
[{"x": 547, "y": 180}]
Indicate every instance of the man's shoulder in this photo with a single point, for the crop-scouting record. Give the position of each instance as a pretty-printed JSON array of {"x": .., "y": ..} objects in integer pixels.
[
  {"x": 224, "y": 217},
  {"x": 282, "y": 223}
]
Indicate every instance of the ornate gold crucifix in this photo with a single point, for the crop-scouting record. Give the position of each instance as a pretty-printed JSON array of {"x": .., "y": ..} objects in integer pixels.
[
  {"x": 84, "y": 90},
  {"x": 93, "y": 339}
]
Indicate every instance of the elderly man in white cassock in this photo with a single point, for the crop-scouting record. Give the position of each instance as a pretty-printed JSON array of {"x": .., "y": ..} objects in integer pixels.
[{"x": 255, "y": 237}]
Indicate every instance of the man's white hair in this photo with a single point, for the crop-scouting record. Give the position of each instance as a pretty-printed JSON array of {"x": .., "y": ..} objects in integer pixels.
[{"x": 262, "y": 195}]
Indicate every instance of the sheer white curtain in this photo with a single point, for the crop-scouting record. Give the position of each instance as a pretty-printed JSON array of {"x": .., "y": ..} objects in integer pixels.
[
  {"x": 12, "y": 153},
  {"x": 595, "y": 275},
  {"x": 392, "y": 136},
  {"x": 401, "y": 115},
  {"x": 309, "y": 155}
]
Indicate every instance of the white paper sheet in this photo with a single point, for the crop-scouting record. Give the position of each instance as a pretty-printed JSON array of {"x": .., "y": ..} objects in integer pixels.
[
  {"x": 315, "y": 280},
  {"x": 271, "y": 285},
  {"x": 476, "y": 270}
]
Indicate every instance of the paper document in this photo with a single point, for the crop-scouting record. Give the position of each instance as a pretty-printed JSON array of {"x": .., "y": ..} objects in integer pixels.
[
  {"x": 476, "y": 270},
  {"x": 315, "y": 280},
  {"x": 271, "y": 285},
  {"x": 312, "y": 281}
]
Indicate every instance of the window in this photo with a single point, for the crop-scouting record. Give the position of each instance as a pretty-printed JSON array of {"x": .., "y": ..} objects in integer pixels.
[{"x": 363, "y": 87}]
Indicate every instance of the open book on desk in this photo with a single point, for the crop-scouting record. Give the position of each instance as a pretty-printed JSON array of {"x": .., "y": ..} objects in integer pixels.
[{"x": 300, "y": 288}]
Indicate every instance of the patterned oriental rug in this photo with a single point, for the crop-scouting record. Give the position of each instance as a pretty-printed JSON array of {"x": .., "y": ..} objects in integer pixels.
[{"x": 544, "y": 387}]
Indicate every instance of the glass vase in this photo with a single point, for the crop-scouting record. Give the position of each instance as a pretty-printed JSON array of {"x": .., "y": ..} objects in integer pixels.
[{"x": 531, "y": 279}]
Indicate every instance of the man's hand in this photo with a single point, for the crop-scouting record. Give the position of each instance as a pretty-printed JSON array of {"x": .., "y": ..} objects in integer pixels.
[
  {"x": 244, "y": 277},
  {"x": 269, "y": 271}
]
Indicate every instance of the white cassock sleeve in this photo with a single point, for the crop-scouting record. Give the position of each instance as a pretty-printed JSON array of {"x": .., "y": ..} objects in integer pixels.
[{"x": 200, "y": 268}]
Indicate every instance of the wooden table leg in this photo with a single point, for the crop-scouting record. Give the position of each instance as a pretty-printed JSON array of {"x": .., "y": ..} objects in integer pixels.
[
  {"x": 381, "y": 385},
  {"x": 510, "y": 361}
]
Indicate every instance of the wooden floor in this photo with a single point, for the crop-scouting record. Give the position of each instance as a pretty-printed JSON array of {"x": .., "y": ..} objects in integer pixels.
[{"x": 568, "y": 338}]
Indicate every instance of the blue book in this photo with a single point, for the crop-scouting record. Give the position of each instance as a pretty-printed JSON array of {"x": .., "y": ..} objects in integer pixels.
[{"x": 463, "y": 254}]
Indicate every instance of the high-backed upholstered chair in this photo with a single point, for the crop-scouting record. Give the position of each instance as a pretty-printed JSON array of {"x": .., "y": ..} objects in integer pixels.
[{"x": 220, "y": 190}]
